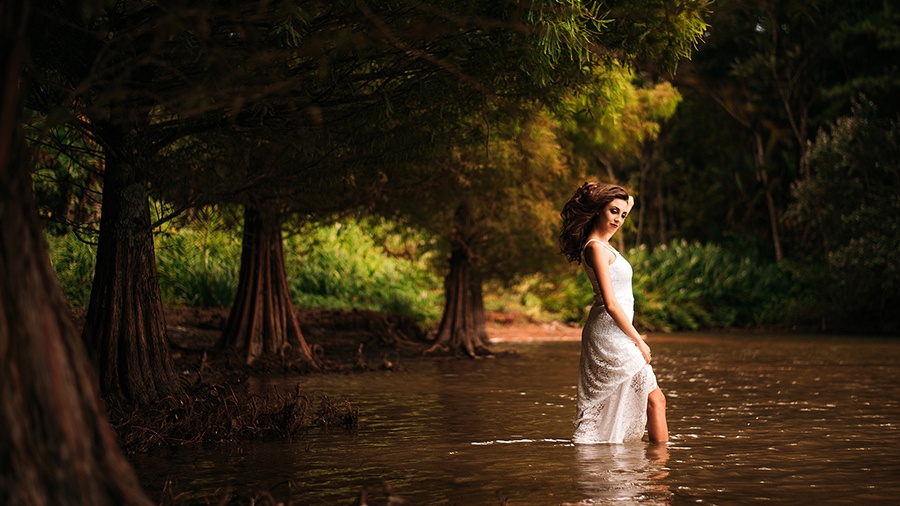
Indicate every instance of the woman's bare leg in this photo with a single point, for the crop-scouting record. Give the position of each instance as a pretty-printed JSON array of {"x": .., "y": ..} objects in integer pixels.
[{"x": 657, "y": 427}]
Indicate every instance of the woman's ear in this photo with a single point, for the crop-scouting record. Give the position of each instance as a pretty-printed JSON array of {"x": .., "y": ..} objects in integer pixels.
[{"x": 630, "y": 204}]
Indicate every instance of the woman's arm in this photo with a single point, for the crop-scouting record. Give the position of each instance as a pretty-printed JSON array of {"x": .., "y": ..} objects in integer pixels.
[{"x": 598, "y": 258}]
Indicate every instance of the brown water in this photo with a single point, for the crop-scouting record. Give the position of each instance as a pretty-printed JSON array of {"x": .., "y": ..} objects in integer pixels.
[{"x": 774, "y": 419}]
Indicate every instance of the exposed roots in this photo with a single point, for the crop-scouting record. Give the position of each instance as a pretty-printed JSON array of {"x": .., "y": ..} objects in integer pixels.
[
  {"x": 469, "y": 349},
  {"x": 220, "y": 413}
]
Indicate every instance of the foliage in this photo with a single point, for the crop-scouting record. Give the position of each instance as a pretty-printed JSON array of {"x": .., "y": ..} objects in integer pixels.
[
  {"x": 198, "y": 264},
  {"x": 768, "y": 75},
  {"x": 609, "y": 121},
  {"x": 850, "y": 206},
  {"x": 332, "y": 266},
  {"x": 373, "y": 265},
  {"x": 73, "y": 261},
  {"x": 496, "y": 191},
  {"x": 679, "y": 286},
  {"x": 688, "y": 286},
  {"x": 66, "y": 170},
  {"x": 546, "y": 296},
  {"x": 339, "y": 265}
]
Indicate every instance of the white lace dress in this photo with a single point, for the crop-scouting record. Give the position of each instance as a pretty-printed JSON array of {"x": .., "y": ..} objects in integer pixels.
[{"x": 614, "y": 380}]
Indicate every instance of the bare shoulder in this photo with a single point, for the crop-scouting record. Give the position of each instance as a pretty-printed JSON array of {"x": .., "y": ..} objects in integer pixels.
[{"x": 597, "y": 254}]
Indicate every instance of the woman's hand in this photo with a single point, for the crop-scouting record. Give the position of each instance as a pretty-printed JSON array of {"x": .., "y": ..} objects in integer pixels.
[{"x": 645, "y": 350}]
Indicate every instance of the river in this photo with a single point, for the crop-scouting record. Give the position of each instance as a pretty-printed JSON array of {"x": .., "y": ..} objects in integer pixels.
[{"x": 752, "y": 418}]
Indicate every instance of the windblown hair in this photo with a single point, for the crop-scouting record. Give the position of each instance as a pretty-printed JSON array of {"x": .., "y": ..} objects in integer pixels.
[{"x": 580, "y": 213}]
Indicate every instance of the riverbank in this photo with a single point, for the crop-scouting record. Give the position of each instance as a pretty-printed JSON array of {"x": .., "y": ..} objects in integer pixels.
[{"x": 354, "y": 339}]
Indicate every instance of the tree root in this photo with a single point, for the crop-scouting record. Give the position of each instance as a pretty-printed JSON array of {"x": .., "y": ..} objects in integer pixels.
[{"x": 215, "y": 413}]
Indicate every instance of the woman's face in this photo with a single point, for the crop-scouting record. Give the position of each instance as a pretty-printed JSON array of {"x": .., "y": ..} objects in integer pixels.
[{"x": 613, "y": 215}]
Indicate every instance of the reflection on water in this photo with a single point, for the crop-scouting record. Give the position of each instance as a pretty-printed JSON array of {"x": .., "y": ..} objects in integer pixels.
[
  {"x": 752, "y": 419},
  {"x": 633, "y": 471}
]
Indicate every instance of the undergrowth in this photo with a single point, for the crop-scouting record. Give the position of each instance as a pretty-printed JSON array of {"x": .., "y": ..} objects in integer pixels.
[
  {"x": 367, "y": 265},
  {"x": 217, "y": 413},
  {"x": 681, "y": 286}
]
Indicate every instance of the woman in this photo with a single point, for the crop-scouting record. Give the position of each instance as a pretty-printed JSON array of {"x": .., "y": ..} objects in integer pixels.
[{"x": 617, "y": 391}]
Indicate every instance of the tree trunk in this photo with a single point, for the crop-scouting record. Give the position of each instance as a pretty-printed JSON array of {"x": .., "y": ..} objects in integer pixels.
[
  {"x": 478, "y": 306},
  {"x": 462, "y": 327},
  {"x": 262, "y": 320},
  {"x": 661, "y": 215},
  {"x": 124, "y": 329},
  {"x": 642, "y": 200},
  {"x": 762, "y": 175},
  {"x": 56, "y": 447}
]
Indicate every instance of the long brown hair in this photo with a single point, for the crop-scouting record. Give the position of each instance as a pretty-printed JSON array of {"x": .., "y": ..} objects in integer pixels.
[{"x": 580, "y": 213}]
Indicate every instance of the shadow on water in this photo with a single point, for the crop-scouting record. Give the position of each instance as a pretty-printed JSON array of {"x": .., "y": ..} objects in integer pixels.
[{"x": 784, "y": 419}]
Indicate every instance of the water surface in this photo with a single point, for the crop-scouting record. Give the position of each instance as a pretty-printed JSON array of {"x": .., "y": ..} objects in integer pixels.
[{"x": 778, "y": 419}]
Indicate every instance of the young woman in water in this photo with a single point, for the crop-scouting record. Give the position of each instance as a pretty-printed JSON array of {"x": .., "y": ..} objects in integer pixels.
[{"x": 617, "y": 391}]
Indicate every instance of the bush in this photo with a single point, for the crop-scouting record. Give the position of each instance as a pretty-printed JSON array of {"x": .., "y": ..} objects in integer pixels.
[
  {"x": 849, "y": 207},
  {"x": 73, "y": 261},
  {"x": 336, "y": 266},
  {"x": 677, "y": 287},
  {"x": 339, "y": 266},
  {"x": 198, "y": 266},
  {"x": 692, "y": 286}
]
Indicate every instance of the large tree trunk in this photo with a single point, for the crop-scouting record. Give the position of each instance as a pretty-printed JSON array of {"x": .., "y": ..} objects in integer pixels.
[
  {"x": 56, "y": 447},
  {"x": 124, "y": 329},
  {"x": 462, "y": 328},
  {"x": 262, "y": 320}
]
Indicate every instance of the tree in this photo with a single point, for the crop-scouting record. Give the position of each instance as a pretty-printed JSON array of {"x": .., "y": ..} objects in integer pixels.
[
  {"x": 262, "y": 321},
  {"x": 95, "y": 69},
  {"x": 850, "y": 203},
  {"x": 494, "y": 53},
  {"x": 55, "y": 444},
  {"x": 613, "y": 127},
  {"x": 142, "y": 77},
  {"x": 497, "y": 213},
  {"x": 495, "y": 203},
  {"x": 780, "y": 70},
  {"x": 137, "y": 79}
]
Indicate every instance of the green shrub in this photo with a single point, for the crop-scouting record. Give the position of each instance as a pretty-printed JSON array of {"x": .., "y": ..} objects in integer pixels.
[
  {"x": 848, "y": 209},
  {"x": 340, "y": 266},
  {"x": 198, "y": 266},
  {"x": 73, "y": 261},
  {"x": 692, "y": 286},
  {"x": 677, "y": 287},
  {"x": 336, "y": 266},
  {"x": 560, "y": 296},
  {"x": 344, "y": 266}
]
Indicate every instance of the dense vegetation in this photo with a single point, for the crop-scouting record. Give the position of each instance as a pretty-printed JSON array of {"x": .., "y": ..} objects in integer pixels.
[
  {"x": 369, "y": 265},
  {"x": 369, "y": 148},
  {"x": 736, "y": 161}
]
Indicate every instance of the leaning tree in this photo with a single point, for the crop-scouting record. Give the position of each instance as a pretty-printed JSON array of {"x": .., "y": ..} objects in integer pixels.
[{"x": 56, "y": 446}]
